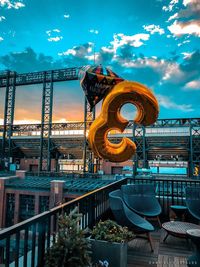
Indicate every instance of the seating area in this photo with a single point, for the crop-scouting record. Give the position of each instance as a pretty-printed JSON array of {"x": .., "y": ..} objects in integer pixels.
[
  {"x": 115, "y": 201},
  {"x": 134, "y": 206},
  {"x": 126, "y": 217}
]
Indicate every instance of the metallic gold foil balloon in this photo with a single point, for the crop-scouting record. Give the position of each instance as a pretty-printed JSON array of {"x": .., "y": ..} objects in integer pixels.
[{"x": 110, "y": 118}]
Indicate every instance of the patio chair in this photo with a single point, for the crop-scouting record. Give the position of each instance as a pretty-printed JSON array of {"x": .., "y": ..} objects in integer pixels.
[
  {"x": 141, "y": 199},
  {"x": 193, "y": 201},
  {"x": 126, "y": 217}
]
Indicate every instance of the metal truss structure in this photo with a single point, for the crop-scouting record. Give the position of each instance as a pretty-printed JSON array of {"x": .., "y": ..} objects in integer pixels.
[
  {"x": 88, "y": 156},
  {"x": 11, "y": 80},
  {"x": 46, "y": 129}
]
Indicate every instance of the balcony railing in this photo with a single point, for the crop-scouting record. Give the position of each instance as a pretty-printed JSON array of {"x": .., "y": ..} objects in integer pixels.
[
  {"x": 168, "y": 191},
  {"x": 25, "y": 243}
]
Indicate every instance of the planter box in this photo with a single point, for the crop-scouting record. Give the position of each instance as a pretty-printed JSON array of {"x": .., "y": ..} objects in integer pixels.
[{"x": 114, "y": 253}]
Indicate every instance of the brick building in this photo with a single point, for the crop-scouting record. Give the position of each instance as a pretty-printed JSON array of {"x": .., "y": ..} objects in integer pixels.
[{"x": 22, "y": 197}]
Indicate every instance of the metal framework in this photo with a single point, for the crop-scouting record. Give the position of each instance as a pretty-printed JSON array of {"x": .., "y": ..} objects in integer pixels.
[
  {"x": 8, "y": 115},
  {"x": 46, "y": 121},
  {"x": 59, "y": 75},
  {"x": 89, "y": 117},
  {"x": 11, "y": 80},
  {"x": 194, "y": 147},
  {"x": 160, "y": 123}
]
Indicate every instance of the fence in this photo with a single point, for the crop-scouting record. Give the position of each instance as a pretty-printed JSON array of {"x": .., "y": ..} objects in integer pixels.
[{"x": 25, "y": 243}]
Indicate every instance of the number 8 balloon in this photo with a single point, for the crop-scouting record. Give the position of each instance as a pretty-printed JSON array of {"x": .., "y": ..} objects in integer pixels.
[{"x": 110, "y": 119}]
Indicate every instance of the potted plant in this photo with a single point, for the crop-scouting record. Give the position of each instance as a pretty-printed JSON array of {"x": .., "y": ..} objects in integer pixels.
[
  {"x": 70, "y": 247},
  {"x": 109, "y": 243}
]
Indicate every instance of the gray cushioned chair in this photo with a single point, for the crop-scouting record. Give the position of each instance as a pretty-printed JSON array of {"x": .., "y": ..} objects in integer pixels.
[
  {"x": 193, "y": 201},
  {"x": 126, "y": 217},
  {"x": 141, "y": 199}
]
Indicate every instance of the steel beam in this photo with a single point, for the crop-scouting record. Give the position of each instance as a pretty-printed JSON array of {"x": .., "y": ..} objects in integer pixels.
[
  {"x": 144, "y": 152},
  {"x": 89, "y": 117},
  {"x": 59, "y": 75},
  {"x": 135, "y": 156},
  {"x": 8, "y": 116},
  {"x": 46, "y": 122},
  {"x": 191, "y": 167},
  {"x": 195, "y": 144}
]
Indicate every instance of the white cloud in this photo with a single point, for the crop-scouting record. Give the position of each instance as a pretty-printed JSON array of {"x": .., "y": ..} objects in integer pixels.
[
  {"x": 66, "y": 16},
  {"x": 186, "y": 2},
  {"x": 107, "y": 49},
  {"x": 2, "y": 18},
  {"x": 53, "y": 35},
  {"x": 167, "y": 103},
  {"x": 11, "y": 4},
  {"x": 184, "y": 42},
  {"x": 186, "y": 55},
  {"x": 49, "y": 32},
  {"x": 154, "y": 29},
  {"x": 95, "y": 56},
  {"x": 168, "y": 71},
  {"x": 1, "y": 39},
  {"x": 172, "y": 72},
  {"x": 171, "y": 6},
  {"x": 172, "y": 17},
  {"x": 68, "y": 52},
  {"x": 182, "y": 28},
  {"x": 78, "y": 51},
  {"x": 193, "y": 85},
  {"x": 136, "y": 40},
  {"x": 94, "y": 31},
  {"x": 55, "y": 39},
  {"x": 56, "y": 30}
]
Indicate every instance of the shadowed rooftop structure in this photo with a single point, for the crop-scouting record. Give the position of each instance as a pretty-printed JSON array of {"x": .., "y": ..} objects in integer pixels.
[{"x": 44, "y": 184}]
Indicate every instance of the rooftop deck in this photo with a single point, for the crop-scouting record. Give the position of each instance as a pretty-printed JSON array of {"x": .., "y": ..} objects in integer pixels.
[
  {"x": 173, "y": 252},
  {"x": 94, "y": 206}
]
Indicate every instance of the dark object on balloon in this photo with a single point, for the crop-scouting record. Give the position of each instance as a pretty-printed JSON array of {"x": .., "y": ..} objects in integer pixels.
[{"x": 96, "y": 82}]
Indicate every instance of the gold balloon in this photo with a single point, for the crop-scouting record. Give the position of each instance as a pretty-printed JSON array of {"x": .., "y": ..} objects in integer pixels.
[{"x": 110, "y": 119}]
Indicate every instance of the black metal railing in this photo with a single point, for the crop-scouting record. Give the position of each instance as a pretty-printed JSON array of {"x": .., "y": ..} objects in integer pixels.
[
  {"x": 25, "y": 243},
  {"x": 168, "y": 191}
]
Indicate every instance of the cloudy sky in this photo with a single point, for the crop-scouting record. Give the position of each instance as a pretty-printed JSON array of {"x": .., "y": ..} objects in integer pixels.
[{"x": 154, "y": 42}]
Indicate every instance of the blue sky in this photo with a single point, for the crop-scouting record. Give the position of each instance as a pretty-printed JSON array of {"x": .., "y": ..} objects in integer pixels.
[{"x": 153, "y": 42}]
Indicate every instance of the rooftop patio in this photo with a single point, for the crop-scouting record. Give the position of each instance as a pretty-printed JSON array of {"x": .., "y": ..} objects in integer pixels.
[
  {"x": 174, "y": 252},
  {"x": 24, "y": 244}
]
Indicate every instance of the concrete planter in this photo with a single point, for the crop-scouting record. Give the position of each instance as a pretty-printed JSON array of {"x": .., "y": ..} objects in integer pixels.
[{"x": 114, "y": 253}]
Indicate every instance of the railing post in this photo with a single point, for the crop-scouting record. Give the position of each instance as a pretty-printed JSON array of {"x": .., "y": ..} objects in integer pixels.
[
  {"x": 135, "y": 156},
  {"x": 41, "y": 243},
  {"x": 173, "y": 192},
  {"x": 91, "y": 215}
]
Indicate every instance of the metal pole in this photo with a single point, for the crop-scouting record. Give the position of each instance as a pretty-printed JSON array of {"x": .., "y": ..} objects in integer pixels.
[
  {"x": 144, "y": 148},
  {"x": 135, "y": 156},
  {"x": 191, "y": 153},
  {"x": 89, "y": 117},
  {"x": 46, "y": 122},
  {"x": 85, "y": 137},
  {"x": 8, "y": 116},
  {"x": 50, "y": 124}
]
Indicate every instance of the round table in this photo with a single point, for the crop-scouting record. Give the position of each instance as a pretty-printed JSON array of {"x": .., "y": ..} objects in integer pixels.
[
  {"x": 179, "y": 210},
  {"x": 178, "y": 229},
  {"x": 194, "y": 235}
]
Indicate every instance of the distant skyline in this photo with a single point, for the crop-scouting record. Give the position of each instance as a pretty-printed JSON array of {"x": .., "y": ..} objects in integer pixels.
[{"x": 154, "y": 42}]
